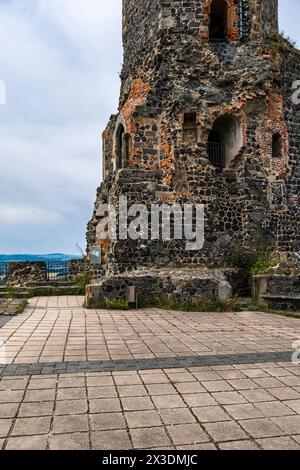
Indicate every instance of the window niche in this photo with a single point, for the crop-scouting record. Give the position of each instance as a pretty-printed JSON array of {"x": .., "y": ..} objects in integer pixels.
[
  {"x": 123, "y": 143},
  {"x": 218, "y": 26},
  {"x": 276, "y": 146},
  {"x": 225, "y": 141},
  {"x": 190, "y": 131}
]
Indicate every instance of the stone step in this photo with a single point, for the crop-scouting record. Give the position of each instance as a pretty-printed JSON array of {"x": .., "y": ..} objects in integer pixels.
[{"x": 39, "y": 291}]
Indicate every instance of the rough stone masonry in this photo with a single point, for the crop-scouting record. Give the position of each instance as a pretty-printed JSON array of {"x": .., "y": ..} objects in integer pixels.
[{"x": 205, "y": 117}]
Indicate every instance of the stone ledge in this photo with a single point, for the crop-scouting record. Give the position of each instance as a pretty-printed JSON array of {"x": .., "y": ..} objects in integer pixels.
[{"x": 181, "y": 285}]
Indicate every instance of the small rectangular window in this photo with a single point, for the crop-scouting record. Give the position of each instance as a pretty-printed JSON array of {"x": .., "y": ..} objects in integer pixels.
[{"x": 190, "y": 128}]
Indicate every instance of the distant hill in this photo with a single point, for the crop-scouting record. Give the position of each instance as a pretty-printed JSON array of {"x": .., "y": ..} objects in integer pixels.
[{"x": 46, "y": 257}]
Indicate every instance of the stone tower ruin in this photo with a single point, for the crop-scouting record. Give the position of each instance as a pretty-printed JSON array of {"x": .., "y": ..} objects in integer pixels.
[{"x": 206, "y": 116}]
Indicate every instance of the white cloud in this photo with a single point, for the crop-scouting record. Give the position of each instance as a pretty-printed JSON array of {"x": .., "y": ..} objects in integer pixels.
[{"x": 18, "y": 215}]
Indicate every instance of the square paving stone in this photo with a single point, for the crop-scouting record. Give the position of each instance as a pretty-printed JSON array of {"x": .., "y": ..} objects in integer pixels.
[
  {"x": 31, "y": 426},
  {"x": 36, "y": 409},
  {"x": 14, "y": 384},
  {"x": 101, "y": 381},
  {"x": 162, "y": 389},
  {"x": 187, "y": 434},
  {"x": 229, "y": 398},
  {"x": 132, "y": 391},
  {"x": 8, "y": 410},
  {"x": 32, "y": 396},
  {"x": 76, "y": 441},
  {"x": 217, "y": 386},
  {"x": 68, "y": 424},
  {"x": 105, "y": 405},
  {"x": 243, "y": 384},
  {"x": 211, "y": 414},
  {"x": 190, "y": 387},
  {"x": 208, "y": 376},
  {"x": 41, "y": 384},
  {"x": 71, "y": 407},
  {"x": 71, "y": 393},
  {"x": 225, "y": 431},
  {"x": 128, "y": 380},
  {"x": 243, "y": 411},
  {"x": 146, "y": 438},
  {"x": 5, "y": 425},
  {"x": 154, "y": 378},
  {"x": 278, "y": 443},
  {"x": 107, "y": 421},
  {"x": 27, "y": 443},
  {"x": 257, "y": 396},
  {"x": 110, "y": 440},
  {"x": 292, "y": 404},
  {"x": 177, "y": 416},
  {"x": 72, "y": 382},
  {"x": 102, "y": 392},
  {"x": 238, "y": 445},
  {"x": 137, "y": 404},
  {"x": 199, "y": 399},
  {"x": 168, "y": 401},
  {"x": 274, "y": 409},
  {"x": 142, "y": 419},
  {"x": 285, "y": 393},
  {"x": 181, "y": 377},
  {"x": 11, "y": 396},
  {"x": 268, "y": 382},
  {"x": 259, "y": 428},
  {"x": 289, "y": 424}
]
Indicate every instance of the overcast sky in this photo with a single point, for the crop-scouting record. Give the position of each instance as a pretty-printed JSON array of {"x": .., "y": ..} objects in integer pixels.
[{"x": 60, "y": 60}]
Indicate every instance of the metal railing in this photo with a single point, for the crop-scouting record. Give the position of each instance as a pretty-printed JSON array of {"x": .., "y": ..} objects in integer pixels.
[
  {"x": 216, "y": 154},
  {"x": 57, "y": 270},
  {"x": 3, "y": 273}
]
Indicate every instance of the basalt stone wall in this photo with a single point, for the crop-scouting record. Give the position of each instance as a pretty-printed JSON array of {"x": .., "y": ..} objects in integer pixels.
[
  {"x": 83, "y": 267},
  {"x": 25, "y": 274},
  {"x": 277, "y": 291},
  {"x": 176, "y": 285},
  {"x": 171, "y": 71}
]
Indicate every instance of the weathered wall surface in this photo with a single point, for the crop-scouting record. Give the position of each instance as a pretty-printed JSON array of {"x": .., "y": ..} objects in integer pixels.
[
  {"x": 171, "y": 69},
  {"x": 24, "y": 274}
]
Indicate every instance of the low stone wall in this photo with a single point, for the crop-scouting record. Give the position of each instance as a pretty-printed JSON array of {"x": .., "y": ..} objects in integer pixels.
[
  {"x": 82, "y": 267},
  {"x": 180, "y": 285},
  {"x": 25, "y": 274},
  {"x": 277, "y": 291}
]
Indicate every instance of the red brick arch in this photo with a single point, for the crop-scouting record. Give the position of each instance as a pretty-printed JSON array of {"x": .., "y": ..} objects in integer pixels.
[{"x": 233, "y": 20}]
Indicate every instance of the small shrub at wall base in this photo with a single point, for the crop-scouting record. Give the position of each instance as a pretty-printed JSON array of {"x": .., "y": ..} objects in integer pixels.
[
  {"x": 117, "y": 305},
  {"x": 82, "y": 281}
]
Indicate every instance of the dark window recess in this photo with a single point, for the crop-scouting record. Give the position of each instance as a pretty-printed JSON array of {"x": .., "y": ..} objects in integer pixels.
[
  {"x": 277, "y": 146},
  {"x": 216, "y": 150},
  {"x": 190, "y": 128},
  {"x": 218, "y": 27},
  {"x": 122, "y": 147}
]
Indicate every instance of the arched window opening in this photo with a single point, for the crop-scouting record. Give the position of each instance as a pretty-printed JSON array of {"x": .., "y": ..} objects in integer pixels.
[
  {"x": 122, "y": 147},
  {"x": 277, "y": 146},
  {"x": 218, "y": 27},
  {"x": 190, "y": 128},
  {"x": 216, "y": 150},
  {"x": 224, "y": 141}
]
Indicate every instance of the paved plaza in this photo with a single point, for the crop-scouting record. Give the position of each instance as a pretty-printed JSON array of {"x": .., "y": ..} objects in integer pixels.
[{"x": 147, "y": 379}]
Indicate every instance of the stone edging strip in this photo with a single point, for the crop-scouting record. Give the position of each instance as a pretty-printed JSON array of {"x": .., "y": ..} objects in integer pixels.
[{"x": 48, "y": 368}]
